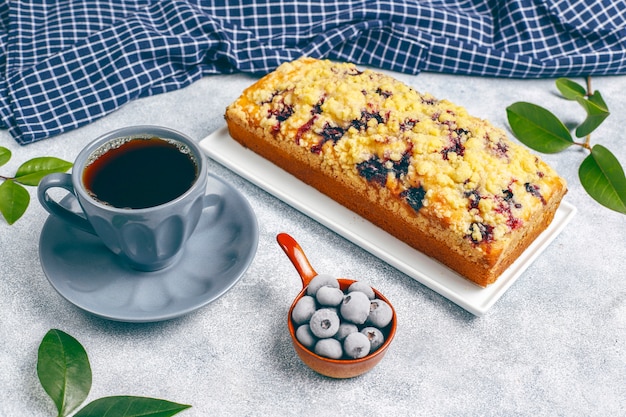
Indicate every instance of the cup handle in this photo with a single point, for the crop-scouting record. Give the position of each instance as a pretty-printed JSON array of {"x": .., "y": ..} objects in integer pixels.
[{"x": 61, "y": 180}]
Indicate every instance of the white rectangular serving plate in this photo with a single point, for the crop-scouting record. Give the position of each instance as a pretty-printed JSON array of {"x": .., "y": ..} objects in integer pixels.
[{"x": 222, "y": 148}]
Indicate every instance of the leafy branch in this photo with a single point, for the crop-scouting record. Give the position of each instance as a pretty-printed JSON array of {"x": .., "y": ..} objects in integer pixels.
[
  {"x": 14, "y": 198},
  {"x": 600, "y": 173},
  {"x": 65, "y": 374}
]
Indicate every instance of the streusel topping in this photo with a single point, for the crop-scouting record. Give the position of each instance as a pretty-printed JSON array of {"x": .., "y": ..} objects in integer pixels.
[{"x": 430, "y": 153}]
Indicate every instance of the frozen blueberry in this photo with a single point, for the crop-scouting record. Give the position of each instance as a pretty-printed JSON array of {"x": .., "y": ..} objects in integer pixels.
[
  {"x": 380, "y": 313},
  {"x": 324, "y": 323},
  {"x": 363, "y": 287},
  {"x": 303, "y": 310},
  {"x": 375, "y": 337},
  {"x": 329, "y": 296},
  {"x": 319, "y": 281},
  {"x": 355, "y": 307},
  {"x": 356, "y": 345},
  {"x": 305, "y": 336},
  {"x": 344, "y": 330},
  {"x": 330, "y": 348}
]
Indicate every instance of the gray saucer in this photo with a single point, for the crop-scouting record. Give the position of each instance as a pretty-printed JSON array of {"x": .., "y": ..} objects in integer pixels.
[{"x": 88, "y": 275}]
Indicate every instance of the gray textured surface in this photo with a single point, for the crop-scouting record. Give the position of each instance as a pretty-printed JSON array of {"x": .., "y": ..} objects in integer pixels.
[{"x": 553, "y": 345}]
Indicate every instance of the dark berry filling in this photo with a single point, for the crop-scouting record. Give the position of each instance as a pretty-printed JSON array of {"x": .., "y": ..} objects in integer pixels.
[
  {"x": 361, "y": 124},
  {"x": 456, "y": 146},
  {"x": 275, "y": 94},
  {"x": 282, "y": 112},
  {"x": 474, "y": 198},
  {"x": 506, "y": 204},
  {"x": 534, "y": 191},
  {"x": 373, "y": 170},
  {"x": 513, "y": 222},
  {"x": 317, "y": 109},
  {"x": 333, "y": 133},
  {"x": 486, "y": 233},
  {"x": 507, "y": 195},
  {"x": 415, "y": 197},
  {"x": 383, "y": 93},
  {"x": 501, "y": 149},
  {"x": 376, "y": 170},
  {"x": 305, "y": 128},
  {"x": 408, "y": 124},
  {"x": 329, "y": 133},
  {"x": 401, "y": 167},
  {"x": 457, "y": 137}
]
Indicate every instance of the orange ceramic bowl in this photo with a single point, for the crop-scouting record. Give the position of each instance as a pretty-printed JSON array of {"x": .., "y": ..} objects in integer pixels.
[{"x": 334, "y": 368}]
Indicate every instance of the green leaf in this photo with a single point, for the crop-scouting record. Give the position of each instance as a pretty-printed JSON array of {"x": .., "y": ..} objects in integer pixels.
[
  {"x": 537, "y": 128},
  {"x": 63, "y": 370},
  {"x": 597, "y": 111},
  {"x": 14, "y": 200},
  {"x": 603, "y": 178},
  {"x": 127, "y": 406},
  {"x": 570, "y": 90},
  {"x": 32, "y": 171},
  {"x": 5, "y": 155}
]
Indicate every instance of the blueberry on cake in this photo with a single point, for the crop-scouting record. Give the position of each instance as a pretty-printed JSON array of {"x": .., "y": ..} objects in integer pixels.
[{"x": 449, "y": 184}]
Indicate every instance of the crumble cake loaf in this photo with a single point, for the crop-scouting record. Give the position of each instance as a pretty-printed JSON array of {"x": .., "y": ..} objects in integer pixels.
[{"x": 449, "y": 184}]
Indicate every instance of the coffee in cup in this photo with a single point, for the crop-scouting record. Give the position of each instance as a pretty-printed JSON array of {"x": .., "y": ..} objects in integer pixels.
[
  {"x": 139, "y": 172},
  {"x": 142, "y": 190}
]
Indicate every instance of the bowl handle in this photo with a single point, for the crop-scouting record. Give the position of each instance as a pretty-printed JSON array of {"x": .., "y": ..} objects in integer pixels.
[{"x": 297, "y": 257}]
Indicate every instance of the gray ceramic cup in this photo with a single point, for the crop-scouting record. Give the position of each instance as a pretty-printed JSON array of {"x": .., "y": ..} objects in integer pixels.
[{"x": 148, "y": 239}]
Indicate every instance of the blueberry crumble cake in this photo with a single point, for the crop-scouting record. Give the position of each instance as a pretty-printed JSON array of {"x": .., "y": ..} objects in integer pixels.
[{"x": 446, "y": 183}]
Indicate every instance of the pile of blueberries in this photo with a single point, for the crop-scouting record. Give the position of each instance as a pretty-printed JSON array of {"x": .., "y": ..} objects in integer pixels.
[{"x": 340, "y": 325}]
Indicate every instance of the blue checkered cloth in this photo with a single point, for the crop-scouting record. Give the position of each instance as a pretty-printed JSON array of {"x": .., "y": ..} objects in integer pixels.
[{"x": 67, "y": 63}]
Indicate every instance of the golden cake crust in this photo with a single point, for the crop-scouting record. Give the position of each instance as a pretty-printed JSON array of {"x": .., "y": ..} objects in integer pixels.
[{"x": 446, "y": 183}]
